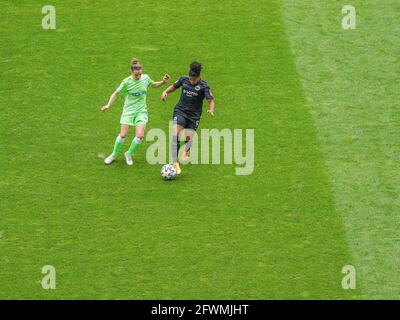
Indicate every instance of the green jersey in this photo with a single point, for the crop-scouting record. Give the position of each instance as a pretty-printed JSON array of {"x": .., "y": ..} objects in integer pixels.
[{"x": 135, "y": 92}]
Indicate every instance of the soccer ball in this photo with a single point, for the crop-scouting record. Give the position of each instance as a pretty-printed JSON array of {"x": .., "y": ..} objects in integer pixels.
[{"x": 168, "y": 172}]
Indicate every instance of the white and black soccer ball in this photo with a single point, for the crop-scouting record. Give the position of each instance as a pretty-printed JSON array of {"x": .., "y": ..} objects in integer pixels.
[{"x": 168, "y": 172}]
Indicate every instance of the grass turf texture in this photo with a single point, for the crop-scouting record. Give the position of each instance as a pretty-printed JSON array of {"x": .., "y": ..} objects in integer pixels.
[
  {"x": 351, "y": 83},
  {"x": 120, "y": 232}
]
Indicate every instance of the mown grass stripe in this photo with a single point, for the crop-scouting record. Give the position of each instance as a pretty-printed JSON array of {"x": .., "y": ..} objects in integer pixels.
[{"x": 350, "y": 79}]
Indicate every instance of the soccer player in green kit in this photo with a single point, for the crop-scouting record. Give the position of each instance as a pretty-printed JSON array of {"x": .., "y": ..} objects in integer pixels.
[{"x": 134, "y": 88}]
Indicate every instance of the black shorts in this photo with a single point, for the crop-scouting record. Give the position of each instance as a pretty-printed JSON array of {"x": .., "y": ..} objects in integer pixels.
[{"x": 185, "y": 121}]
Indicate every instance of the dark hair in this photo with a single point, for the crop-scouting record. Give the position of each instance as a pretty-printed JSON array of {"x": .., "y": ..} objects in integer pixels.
[{"x": 195, "y": 69}]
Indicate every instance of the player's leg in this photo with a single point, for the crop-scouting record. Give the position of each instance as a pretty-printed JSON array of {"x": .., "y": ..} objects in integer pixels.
[
  {"x": 137, "y": 140},
  {"x": 188, "y": 144},
  {"x": 140, "y": 123},
  {"x": 191, "y": 128},
  {"x": 179, "y": 123},
  {"x": 119, "y": 141}
]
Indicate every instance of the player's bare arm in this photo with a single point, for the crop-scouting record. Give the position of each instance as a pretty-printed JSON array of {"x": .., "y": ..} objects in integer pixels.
[
  {"x": 165, "y": 79},
  {"x": 170, "y": 89},
  {"x": 112, "y": 99},
  {"x": 211, "y": 105}
]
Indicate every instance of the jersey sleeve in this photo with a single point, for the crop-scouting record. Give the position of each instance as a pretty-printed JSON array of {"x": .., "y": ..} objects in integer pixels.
[
  {"x": 207, "y": 93},
  {"x": 178, "y": 83},
  {"x": 150, "y": 81},
  {"x": 122, "y": 87}
]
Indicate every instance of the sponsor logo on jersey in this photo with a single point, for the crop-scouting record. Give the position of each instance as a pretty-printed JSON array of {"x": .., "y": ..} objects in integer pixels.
[
  {"x": 197, "y": 88},
  {"x": 189, "y": 93},
  {"x": 138, "y": 93}
]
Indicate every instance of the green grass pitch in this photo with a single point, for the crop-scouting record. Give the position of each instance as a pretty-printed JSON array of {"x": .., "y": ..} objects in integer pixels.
[{"x": 324, "y": 105}]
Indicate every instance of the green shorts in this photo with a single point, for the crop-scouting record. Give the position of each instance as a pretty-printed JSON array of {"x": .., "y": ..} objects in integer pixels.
[{"x": 134, "y": 119}]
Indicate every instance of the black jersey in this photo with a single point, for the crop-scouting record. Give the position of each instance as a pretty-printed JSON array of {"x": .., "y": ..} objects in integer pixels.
[{"x": 192, "y": 96}]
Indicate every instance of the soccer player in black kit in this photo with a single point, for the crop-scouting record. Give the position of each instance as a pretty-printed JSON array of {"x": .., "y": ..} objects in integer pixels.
[{"x": 188, "y": 110}]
